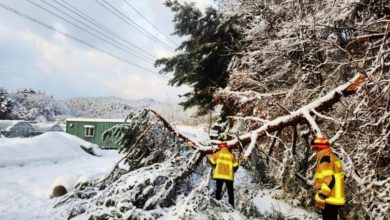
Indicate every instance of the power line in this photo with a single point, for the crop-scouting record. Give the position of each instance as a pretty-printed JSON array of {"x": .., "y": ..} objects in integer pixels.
[
  {"x": 92, "y": 21},
  {"x": 149, "y": 22},
  {"x": 126, "y": 19},
  {"x": 73, "y": 38},
  {"x": 93, "y": 34},
  {"x": 158, "y": 12},
  {"x": 129, "y": 49},
  {"x": 132, "y": 51}
]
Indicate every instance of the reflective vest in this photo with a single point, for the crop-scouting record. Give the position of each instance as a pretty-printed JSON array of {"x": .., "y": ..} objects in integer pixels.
[
  {"x": 224, "y": 162},
  {"x": 329, "y": 177}
]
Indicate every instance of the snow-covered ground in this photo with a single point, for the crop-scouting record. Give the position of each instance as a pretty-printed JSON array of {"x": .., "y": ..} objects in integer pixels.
[
  {"x": 265, "y": 203},
  {"x": 197, "y": 133},
  {"x": 30, "y": 167}
]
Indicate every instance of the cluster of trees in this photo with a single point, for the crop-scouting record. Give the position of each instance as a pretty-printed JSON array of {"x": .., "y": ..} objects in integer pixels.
[
  {"x": 5, "y": 105},
  {"x": 285, "y": 70},
  {"x": 28, "y": 104},
  {"x": 265, "y": 60}
]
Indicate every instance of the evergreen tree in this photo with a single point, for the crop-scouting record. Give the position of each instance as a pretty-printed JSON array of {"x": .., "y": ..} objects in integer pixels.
[
  {"x": 5, "y": 104},
  {"x": 202, "y": 60}
]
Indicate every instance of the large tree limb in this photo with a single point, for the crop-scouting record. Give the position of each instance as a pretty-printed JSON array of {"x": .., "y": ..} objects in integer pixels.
[
  {"x": 277, "y": 124},
  {"x": 295, "y": 117}
]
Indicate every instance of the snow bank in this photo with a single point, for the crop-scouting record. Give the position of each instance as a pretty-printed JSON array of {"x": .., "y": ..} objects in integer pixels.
[
  {"x": 25, "y": 190},
  {"x": 266, "y": 204},
  {"x": 50, "y": 146}
]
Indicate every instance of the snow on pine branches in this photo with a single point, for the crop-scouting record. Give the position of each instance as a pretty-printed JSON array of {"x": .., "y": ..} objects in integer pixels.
[
  {"x": 159, "y": 169},
  {"x": 297, "y": 52}
]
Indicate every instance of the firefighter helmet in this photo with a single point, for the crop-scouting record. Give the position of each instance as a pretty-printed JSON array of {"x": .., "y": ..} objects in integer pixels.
[{"x": 320, "y": 143}]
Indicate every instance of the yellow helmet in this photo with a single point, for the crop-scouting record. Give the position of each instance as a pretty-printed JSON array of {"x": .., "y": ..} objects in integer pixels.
[{"x": 320, "y": 143}]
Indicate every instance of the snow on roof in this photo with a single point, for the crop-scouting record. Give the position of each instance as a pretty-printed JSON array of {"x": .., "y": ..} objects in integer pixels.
[
  {"x": 7, "y": 124},
  {"x": 25, "y": 189},
  {"x": 50, "y": 146},
  {"x": 96, "y": 119}
]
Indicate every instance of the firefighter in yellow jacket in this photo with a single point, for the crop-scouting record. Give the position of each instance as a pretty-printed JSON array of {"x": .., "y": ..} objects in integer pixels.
[
  {"x": 329, "y": 180},
  {"x": 225, "y": 164}
]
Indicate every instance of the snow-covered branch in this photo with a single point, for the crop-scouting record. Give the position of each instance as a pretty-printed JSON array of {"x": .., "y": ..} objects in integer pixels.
[{"x": 319, "y": 105}]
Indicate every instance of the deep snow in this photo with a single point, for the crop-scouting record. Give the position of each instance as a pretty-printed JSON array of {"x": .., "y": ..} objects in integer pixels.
[{"x": 30, "y": 167}]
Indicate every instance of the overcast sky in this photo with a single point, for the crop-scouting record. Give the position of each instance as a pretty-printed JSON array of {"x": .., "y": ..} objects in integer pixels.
[{"x": 33, "y": 56}]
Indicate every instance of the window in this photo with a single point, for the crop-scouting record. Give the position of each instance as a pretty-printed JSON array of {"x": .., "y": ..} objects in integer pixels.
[{"x": 89, "y": 130}]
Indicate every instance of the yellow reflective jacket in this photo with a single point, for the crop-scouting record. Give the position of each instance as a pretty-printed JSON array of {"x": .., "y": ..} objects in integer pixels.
[
  {"x": 224, "y": 162},
  {"x": 329, "y": 178}
]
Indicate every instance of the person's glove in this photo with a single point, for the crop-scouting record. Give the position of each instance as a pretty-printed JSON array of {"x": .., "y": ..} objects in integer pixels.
[
  {"x": 320, "y": 199},
  {"x": 320, "y": 204}
]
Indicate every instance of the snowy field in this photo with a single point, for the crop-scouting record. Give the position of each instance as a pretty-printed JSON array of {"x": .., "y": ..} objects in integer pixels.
[{"x": 30, "y": 166}]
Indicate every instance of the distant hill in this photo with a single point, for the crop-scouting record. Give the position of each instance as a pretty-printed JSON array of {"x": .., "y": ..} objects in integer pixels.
[
  {"x": 106, "y": 107},
  {"x": 28, "y": 104}
]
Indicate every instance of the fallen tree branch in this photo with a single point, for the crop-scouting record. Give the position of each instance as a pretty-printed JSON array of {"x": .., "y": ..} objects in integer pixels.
[
  {"x": 251, "y": 118},
  {"x": 292, "y": 119},
  {"x": 295, "y": 117}
]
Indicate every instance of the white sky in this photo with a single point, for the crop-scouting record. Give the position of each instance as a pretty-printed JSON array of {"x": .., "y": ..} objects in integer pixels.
[{"x": 32, "y": 56}]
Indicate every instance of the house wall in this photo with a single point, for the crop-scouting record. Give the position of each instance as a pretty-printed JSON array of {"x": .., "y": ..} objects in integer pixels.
[{"x": 77, "y": 128}]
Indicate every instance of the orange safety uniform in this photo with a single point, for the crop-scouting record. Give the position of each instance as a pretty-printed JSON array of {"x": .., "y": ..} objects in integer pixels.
[
  {"x": 225, "y": 162},
  {"x": 329, "y": 178}
]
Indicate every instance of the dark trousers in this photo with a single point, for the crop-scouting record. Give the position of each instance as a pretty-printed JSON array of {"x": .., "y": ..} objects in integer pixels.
[
  {"x": 230, "y": 189},
  {"x": 330, "y": 212}
]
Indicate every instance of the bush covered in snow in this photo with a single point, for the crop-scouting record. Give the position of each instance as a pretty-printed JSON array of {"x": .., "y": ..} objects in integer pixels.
[{"x": 5, "y": 105}]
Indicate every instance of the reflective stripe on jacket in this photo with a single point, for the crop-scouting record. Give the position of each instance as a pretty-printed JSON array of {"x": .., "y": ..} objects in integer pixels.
[
  {"x": 224, "y": 162},
  {"x": 329, "y": 177}
]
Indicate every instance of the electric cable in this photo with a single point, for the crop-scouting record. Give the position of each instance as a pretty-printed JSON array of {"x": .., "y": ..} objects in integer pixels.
[
  {"x": 89, "y": 32},
  {"x": 149, "y": 22},
  {"x": 133, "y": 24},
  {"x": 92, "y": 21},
  {"x": 74, "y": 38}
]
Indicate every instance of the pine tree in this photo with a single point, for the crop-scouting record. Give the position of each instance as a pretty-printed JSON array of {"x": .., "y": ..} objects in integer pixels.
[
  {"x": 203, "y": 59},
  {"x": 5, "y": 104}
]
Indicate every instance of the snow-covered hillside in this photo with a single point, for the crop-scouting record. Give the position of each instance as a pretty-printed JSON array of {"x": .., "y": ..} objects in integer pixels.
[
  {"x": 31, "y": 105},
  {"x": 107, "y": 107}
]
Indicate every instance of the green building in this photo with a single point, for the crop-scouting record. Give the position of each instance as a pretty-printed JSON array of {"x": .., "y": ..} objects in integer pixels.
[{"x": 91, "y": 130}]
